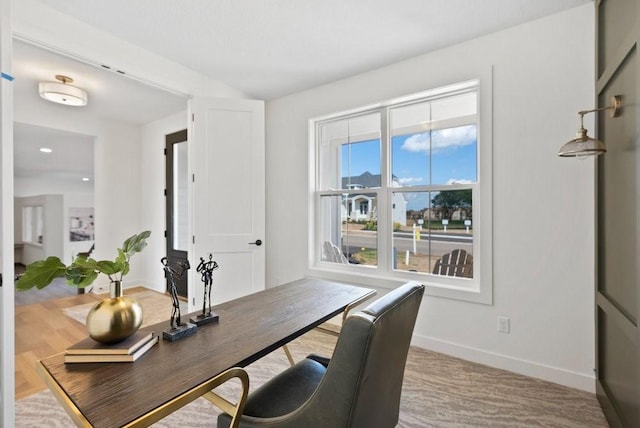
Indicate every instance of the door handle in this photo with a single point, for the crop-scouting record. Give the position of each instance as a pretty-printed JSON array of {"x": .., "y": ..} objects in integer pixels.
[{"x": 258, "y": 242}]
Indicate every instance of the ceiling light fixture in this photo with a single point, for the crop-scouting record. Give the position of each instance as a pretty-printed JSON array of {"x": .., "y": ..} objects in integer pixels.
[
  {"x": 85, "y": 178},
  {"x": 583, "y": 145},
  {"x": 63, "y": 93},
  {"x": 45, "y": 150}
]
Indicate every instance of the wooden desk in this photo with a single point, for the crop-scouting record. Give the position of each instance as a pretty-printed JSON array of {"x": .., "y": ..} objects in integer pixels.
[{"x": 167, "y": 377}]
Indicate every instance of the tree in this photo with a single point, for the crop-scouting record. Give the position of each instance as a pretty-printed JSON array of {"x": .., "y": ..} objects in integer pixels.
[{"x": 451, "y": 200}]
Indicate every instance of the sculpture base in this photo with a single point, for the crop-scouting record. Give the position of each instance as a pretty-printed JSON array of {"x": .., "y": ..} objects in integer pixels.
[
  {"x": 186, "y": 329},
  {"x": 204, "y": 319}
]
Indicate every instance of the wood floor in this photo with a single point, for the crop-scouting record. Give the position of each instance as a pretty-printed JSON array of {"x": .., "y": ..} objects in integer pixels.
[{"x": 42, "y": 329}]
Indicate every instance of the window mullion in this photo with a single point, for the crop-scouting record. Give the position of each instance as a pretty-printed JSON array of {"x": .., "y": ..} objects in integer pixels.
[{"x": 384, "y": 205}]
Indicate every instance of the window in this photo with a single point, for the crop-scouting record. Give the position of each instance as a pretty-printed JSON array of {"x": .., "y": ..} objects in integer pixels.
[
  {"x": 33, "y": 224},
  {"x": 398, "y": 188}
]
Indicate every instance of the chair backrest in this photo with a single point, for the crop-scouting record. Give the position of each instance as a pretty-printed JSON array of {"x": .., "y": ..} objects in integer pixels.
[
  {"x": 456, "y": 263},
  {"x": 332, "y": 253},
  {"x": 363, "y": 382}
]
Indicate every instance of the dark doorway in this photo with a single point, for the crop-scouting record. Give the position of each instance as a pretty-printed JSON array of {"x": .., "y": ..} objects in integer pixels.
[{"x": 177, "y": 207}]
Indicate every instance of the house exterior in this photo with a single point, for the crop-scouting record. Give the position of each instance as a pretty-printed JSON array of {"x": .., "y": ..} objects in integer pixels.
[{"x": 363, "y": 207}]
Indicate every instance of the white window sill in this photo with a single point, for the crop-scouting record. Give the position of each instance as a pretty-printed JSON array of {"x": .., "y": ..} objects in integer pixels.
[{"x": 471, "y": 294}]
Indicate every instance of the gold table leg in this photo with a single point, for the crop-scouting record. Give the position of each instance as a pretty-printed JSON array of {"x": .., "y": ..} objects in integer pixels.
[{"x": 202, "y": 390}]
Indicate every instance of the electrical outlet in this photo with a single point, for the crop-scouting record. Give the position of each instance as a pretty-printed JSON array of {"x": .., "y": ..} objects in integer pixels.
[{"x": 503, "y": 324}]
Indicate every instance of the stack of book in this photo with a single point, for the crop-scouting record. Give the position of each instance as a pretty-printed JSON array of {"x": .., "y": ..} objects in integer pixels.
[{"x": 127, "y": 351}]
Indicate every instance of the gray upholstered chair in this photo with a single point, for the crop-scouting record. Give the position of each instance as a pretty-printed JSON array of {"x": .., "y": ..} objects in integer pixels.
[{"x": 359, "y": 387}]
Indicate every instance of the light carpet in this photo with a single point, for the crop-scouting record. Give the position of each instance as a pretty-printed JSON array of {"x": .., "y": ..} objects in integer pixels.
[
  {"x": 156, "y": 307},
  {"x": 438, "y": 391}
]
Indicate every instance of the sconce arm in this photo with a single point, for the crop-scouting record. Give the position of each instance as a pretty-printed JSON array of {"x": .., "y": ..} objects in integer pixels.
[{"x": 615, "y": 106}]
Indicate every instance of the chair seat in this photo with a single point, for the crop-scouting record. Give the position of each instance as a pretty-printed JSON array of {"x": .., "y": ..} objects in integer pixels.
[{"x": 284, "y": 393}]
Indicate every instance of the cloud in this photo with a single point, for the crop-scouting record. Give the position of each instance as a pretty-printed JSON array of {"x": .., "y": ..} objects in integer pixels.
[
  {"x": 441, "y": 140},
  {"x": 410, "y": 180},
  {"x": 417, "y": 143},
  {"x": 459, "y": 181}
]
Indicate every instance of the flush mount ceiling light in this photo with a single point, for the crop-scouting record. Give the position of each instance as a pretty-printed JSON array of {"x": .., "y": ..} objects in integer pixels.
[
  {"x": 583, "y": 145},
  {"x": 63, "y": 93}
]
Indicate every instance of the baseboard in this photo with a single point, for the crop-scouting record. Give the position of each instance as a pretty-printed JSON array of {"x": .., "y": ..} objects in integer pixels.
[{"x": 505, "y": 362}]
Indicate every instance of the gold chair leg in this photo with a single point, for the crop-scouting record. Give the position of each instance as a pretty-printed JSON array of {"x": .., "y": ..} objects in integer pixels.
[{"x": 285, "y": 348}]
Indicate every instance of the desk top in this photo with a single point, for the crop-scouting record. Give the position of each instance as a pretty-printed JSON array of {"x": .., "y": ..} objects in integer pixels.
[{"x": 114, "y": 394}]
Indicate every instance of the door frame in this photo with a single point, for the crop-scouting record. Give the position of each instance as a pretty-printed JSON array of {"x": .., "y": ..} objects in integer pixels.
[
  {"x": 7, "y": 327},
  {"x": 182, "y": 283}
]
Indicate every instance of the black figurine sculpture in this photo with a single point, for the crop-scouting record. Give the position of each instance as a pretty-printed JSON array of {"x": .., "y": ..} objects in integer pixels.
[
  {"x": 178, "y": 329},
  {"x": 206, "y": 268}
]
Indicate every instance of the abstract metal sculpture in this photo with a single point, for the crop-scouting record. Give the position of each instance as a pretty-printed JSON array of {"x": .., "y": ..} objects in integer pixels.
[
  {"x": 206, "y": 268},
  {"x": 178, "y": 328}
]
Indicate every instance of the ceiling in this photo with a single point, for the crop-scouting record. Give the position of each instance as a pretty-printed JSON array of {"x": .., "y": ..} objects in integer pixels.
[
  {"x": 272, "y": 48},
  {"x": 111, "y": 97},
  {"x": 71, "y": 158},
  {"x": 266, "y": 49}
]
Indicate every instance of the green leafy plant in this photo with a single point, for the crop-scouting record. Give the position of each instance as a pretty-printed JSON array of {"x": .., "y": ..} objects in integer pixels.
[
  {"x": 82, "y": 271},
  {"x": 371, "y": 225}
]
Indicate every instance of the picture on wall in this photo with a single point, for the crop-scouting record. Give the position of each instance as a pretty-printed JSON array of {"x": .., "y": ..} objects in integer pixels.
[{"x": 81, "y": 224}]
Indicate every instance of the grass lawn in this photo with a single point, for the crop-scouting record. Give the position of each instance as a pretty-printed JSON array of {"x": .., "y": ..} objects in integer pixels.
[{"x": 417, "y": 262}]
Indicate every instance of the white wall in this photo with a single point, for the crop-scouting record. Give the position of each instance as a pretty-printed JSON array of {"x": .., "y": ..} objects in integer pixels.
[
  {"x": 152, "y": 198},
  {"x": 117, "y": 173},
  {"x": 74, "y": 195},
  {"x": 543, "y": 205}
]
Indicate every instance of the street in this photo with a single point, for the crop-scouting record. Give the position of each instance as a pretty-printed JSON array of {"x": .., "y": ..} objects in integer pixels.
[{"x": 440, "y": 243}]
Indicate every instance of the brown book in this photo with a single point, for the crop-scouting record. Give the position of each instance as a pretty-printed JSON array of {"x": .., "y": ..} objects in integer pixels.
[
  {"x": 126, "y": 347},
  {"x": 112, "y": 358}
]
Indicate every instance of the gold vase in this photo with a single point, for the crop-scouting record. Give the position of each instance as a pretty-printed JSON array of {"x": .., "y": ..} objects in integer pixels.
[{"x": 114, "y": 319}]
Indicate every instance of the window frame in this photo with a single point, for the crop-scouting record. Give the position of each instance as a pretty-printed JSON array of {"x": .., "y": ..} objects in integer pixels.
[{"x": 480, "y": 288}]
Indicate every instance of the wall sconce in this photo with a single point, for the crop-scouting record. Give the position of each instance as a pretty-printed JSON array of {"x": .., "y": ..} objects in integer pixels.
[
  {"x": 583, "y": 145},
  {"x": 62, "y": 93}
]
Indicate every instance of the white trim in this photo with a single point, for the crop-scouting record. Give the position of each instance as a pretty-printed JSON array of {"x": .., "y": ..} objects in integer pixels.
[
  {"x": 524, "y": 367},
  {"x": 445, "y": 89},
  {"x": 146, "y": 80},
  {"x": 7, "y": 321}
]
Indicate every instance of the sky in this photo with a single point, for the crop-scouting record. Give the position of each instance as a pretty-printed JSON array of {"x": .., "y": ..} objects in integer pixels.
[{"x": 434, "y": 157}]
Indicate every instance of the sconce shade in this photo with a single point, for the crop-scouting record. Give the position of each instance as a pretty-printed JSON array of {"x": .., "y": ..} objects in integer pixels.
[
  {"x": 62, "y": 93},
  {"x": 582, "y": 145}
]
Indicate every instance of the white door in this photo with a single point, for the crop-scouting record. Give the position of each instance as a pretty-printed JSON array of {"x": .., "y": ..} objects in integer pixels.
[
  {"x": 7, "y": 381},
  {"x": 227, "y": 143}
]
